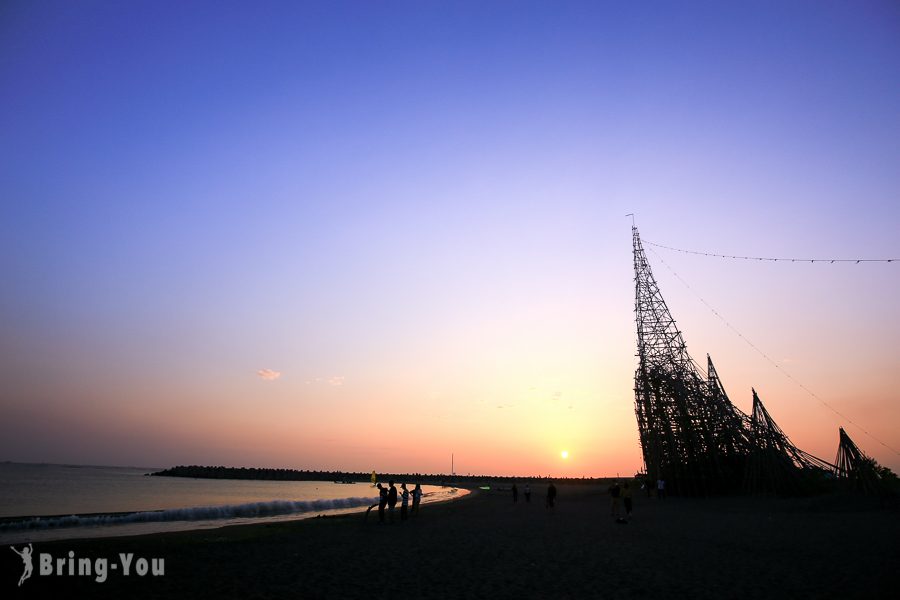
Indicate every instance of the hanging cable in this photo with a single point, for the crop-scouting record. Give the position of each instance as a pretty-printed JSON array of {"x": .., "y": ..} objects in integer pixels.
[
  {"x": 762, "y": 258},
  {"x": 766, "y": 356}
]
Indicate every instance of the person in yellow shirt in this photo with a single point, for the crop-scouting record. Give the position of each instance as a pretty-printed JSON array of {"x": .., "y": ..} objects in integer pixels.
[{"x": 615, "y": 492}]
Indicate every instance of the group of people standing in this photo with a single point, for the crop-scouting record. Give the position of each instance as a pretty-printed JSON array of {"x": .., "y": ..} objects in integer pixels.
[
  {"x": 551, "y": 494},
  {"x": 623, "y": 492},
  {"x": 620, "y": 495},
  {"x": 620, "y": 492},
  {"x": 387, "y": 498},
  {"x": 659, "y": 488}
]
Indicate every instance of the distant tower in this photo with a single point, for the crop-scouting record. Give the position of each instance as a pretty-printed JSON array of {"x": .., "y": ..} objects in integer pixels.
[{"x": 691, "y": 434}]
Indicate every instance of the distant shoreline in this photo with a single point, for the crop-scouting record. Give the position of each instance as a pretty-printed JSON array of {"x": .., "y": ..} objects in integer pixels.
[
  {"x": 206, "y": 472},
  {"x": 250, "y": 473},
  {"x": 75, "y": 466}
]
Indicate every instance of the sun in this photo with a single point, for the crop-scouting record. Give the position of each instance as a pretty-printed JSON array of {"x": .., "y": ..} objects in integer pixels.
[{"x": 564, "y": 454}]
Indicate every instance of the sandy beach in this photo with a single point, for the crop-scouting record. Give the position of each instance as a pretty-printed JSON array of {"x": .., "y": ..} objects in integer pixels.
[{"x": 484, "y": 546}]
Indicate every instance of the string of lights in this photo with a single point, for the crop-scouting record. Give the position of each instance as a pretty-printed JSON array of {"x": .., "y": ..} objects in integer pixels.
[
  {"x": 766, "y": 356},
  {"x": 770, "y": 259}
]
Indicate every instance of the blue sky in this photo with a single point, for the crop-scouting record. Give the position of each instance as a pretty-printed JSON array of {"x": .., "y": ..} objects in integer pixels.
[{"x": 426, "y": 201}]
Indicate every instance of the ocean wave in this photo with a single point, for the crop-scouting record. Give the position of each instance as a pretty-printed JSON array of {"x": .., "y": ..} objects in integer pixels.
[{"x": 198, "y": 513}]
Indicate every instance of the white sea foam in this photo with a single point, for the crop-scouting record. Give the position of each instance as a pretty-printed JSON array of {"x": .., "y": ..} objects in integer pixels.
[{"x": 197, "y": 513}]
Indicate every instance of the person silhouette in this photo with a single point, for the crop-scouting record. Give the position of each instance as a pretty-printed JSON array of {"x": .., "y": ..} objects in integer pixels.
[
  {"x": 26, "y": 560},
  {"x": 391, "y": 499},
  {"x": 382, "y": 502},
  {"x": 551, "y": 495},
  {"x": 404, "y": 501},
  {"x": 626, "y": 499},
  {"x": 527, "y": 493},
  {"x": 615, "y": 492},
  {"x": 417, "y": 498}
]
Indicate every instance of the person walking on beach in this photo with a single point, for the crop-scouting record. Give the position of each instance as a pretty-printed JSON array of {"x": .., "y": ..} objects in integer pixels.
[
  {"x": 660, "y": 488},
  {"x": 614, "y": 493},
  {"x": 382, "y": 502},
  {"x": 404, "y": 501},
  {"x": 515, "y": 492},
  {"x": 551, "y": 495},
  {"x": 392, "y": 499},
  {"x": 417, "y": 498},
  {"x": 527, "y": 491},
  {"x": 626, "y": 498}
]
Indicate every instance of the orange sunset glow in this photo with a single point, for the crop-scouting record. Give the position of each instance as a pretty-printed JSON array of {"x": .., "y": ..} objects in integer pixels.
[{"x": 376, "y": 253}]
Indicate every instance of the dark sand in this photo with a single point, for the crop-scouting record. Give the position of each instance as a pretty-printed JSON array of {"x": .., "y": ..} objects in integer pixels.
[{"x": 484, "y": 546}]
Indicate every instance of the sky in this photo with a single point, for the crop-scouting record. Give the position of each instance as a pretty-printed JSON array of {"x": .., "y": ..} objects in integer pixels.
[{"x": 360, "y": 235}]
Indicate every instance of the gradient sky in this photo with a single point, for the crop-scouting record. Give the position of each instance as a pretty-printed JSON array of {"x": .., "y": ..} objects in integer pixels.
[{"x": 414, "y": 212}]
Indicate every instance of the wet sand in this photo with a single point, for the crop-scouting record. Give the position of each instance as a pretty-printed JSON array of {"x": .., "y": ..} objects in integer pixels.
[{"x": 484, "y": 546}]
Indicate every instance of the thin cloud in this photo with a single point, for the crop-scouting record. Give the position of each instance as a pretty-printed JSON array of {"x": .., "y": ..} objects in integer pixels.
[{"x": 269, "y": 374}]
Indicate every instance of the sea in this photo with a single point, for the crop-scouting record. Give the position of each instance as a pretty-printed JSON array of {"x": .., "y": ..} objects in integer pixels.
[{"x": 43, "y": 502}]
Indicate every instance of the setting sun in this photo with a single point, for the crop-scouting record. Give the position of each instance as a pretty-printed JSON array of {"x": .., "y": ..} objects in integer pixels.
[{"x": 564, "y": 454}]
